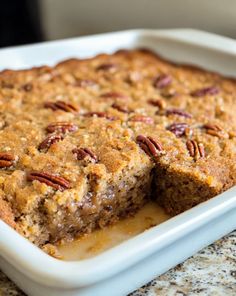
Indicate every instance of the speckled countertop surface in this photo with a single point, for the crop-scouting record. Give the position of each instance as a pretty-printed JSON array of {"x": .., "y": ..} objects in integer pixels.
[{"x": 211, "y": 272}]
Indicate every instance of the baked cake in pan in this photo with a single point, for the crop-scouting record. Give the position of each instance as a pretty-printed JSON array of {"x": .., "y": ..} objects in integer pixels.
[{"x": 88, "y": 142}]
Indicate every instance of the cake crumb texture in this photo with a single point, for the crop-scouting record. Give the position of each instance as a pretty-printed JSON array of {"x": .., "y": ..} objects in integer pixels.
[{"x": 87, "y": 142}]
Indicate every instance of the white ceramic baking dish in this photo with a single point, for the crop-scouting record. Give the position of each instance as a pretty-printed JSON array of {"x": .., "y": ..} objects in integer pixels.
[{"x": 133, "y": 263}]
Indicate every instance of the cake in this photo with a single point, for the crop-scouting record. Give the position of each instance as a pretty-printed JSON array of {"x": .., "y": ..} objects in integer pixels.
[{"x": 88, "y": 142}]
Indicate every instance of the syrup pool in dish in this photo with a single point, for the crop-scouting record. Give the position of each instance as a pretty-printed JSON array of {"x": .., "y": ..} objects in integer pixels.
[{"x": 100, "y": 240}]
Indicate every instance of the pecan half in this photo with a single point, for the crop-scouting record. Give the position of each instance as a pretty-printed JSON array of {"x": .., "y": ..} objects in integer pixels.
[
  {"x": 142, "y": 118},
  {"x": 82, "y": 153},
  {"x": 51, "y": 139},
  {"x": 178, "y": 112},
  {"x": 214, "y": 127},
  {"x": 51, "y": 180},
  {"x": 211, "y": 90},
  {"x": 100, "y": 114},
  {"x": 121, "y": 108},
  {"x": 149, "y": 145},
  {"x": 60, "y": 105},
  {"x": 107, "y": 67},
  {"x": 196, "y": 150},
  {"x": 6, "y": 160},
  {"x": 213, "y": 130},
  {"x": 178, "y": 129},
  {"x": 113, "y": 95},
  {"x": 162, "y": 81},
  {"x": 161, "y": 104},
  {"x": 61, "y": 127}
]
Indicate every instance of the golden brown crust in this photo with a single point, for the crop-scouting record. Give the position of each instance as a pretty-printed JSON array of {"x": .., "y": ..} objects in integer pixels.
[{"x": 73, "y": 135}]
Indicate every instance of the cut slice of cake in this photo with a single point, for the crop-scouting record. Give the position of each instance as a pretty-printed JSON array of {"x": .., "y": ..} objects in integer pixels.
[{"x": 88, "y": 142}]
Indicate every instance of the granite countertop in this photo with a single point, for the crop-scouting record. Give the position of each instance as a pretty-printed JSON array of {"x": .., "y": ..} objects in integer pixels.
[{"x": 211, "y": 272}]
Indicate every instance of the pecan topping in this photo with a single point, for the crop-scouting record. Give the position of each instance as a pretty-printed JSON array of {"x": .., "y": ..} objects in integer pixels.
[
  {"x": 214, "y": 133},
  {"x": 142, "y": 118},
  {"x": 161, "y": 104},
  {"x": 195, "y": 149},
  {"x": 52, "y": 180},
  {"x": 6, "y": 160},
  {"x": 82, "y": 153},
  {"x": 162, "y": 81},
  {"x": 149, "y": 145},
  {"x": 51, "y": 139},
  {"x": 211, "y": 90},
  {"x": 100, "y": 114},
  {"x": 61, "y": 127},
  {"x": 85, "y": 82},
  {"x": 120, "y": 108},
  {"x": 113, "y": 95},
  {"x": 178, "y": 112},
  {"x": 213, "y": 129},
  {"x": 179, "y": 129},
  {"x": 60, "y": 105},
  {"x": 107, "y": 67}
]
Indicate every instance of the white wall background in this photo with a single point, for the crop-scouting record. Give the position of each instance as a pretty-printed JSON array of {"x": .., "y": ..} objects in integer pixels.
[{"x": 67, "y": 18}]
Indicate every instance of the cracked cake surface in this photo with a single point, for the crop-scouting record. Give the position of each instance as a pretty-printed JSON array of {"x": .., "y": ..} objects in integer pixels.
[{"x": 88, "y": 142}]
